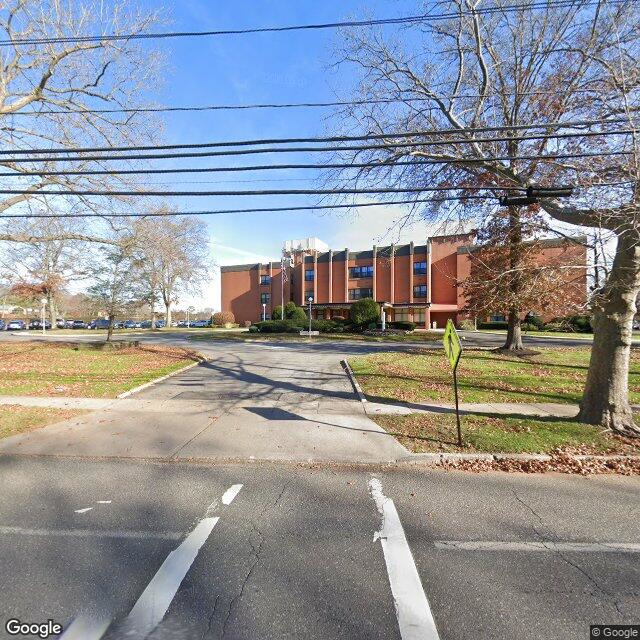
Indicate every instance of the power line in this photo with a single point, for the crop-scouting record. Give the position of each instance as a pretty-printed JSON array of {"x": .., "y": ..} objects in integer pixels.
[
  {"x": 257, "y": 192},
  {"x": 292, "y": 166},
  {"x": 547, "y": 4},
  {"x": 362, "y": 137},
  {"x": 159, "y": 214},
  {"x": 274, "y": 209},
  {"x": 288, "y": 105},
  {"x": 244, "y": 152}
]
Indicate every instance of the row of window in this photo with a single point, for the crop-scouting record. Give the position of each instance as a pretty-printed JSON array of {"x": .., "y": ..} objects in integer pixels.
[
  {"x": 419, "y": 291},
  {"x": 361, "y": 271}
]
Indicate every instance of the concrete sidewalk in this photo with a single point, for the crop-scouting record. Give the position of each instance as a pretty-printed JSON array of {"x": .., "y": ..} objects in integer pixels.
[{"x": 541, "y": 409}]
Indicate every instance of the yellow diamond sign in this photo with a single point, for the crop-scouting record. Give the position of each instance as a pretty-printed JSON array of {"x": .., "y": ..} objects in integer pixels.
[{"x": 452, "y": 344}]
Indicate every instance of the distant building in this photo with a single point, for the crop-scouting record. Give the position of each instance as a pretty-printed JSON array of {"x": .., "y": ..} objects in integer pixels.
[{"x": 416, "y": 282}]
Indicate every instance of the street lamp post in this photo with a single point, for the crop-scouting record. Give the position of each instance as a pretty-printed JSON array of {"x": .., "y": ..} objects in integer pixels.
[
  {"x": 43, "y": 302},
  {"x": 264, "y": 311},
  {"x": 310, "y": 301}
]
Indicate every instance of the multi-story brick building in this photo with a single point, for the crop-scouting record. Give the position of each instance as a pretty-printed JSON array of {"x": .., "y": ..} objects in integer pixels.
[{"x": 417, "y": 282}]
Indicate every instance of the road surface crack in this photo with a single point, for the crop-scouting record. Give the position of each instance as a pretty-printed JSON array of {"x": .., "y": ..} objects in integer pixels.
[
  {"x": 257, "y": 550},
  {"x": 549, "y": 542}
]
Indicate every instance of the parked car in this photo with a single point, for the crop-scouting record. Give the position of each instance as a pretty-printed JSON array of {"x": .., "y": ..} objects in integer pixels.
[
  {"x": 99, "y": 323},
  {"x": 16, "y": 325},
  {"x": 160, "y": 324},
  {"x": 3, "y": 325},
  {"x": 146, "y": 324},
  {"x": 78, "y": 324},
  {"x": 37, "y": 324},
  {"x": 119, "y": 324},
  {"x": 636, "y": 325},
  {"x": 129, "y": 324},
  {"x": 182, "y": 323}
]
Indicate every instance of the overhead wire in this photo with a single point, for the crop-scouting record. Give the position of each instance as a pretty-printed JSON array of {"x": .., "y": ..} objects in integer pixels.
[
  {"x": 547, "y": 4},
  {"x": 363, "y": 137},
  {"x": 294, "y": 166},
  {"x": 286, "y": 105},
  {"x": 353, "y": 205}
]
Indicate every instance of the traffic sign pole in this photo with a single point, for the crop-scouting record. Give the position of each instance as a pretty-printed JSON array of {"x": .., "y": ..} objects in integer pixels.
[
  {"x": 455, "y": 388},
  {"x": 453, "y": 351}
]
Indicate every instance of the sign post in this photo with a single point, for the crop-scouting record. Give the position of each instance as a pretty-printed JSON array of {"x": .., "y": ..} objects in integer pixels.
[{"x": 453, "y": 351}]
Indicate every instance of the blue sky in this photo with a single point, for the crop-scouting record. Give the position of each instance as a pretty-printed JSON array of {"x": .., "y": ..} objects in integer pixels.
[{"x": 257, "y": 68}]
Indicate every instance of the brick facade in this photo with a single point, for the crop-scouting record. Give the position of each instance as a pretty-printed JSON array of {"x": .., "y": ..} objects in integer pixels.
[{"x": 418, "y": 282}]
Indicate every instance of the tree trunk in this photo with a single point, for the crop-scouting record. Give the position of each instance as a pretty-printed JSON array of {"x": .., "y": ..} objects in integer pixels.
[
  {"x": 153, "y": 319},
  {"x": 606, "y": 395},
  {"x": 110, "y": 328},
  {"x": 514, "y": 332},
  {"x": 53, "y": 310},
  {"x": 167, "y": 320}
]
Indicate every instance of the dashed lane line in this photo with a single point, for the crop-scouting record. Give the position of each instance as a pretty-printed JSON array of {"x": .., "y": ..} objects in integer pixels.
[
  {"x": 412, "y": 607},
  {"x": 536, "y": 545},
  {"x": 230, "y": 494},
  {"x": 155, "y": 600},
  {"x": 93, "y": 533}
]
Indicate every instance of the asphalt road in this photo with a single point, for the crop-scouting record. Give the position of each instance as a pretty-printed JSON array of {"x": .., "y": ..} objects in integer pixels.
[
  {"x": 295, "y": 554},
  {"x": 172, "y": 549}
]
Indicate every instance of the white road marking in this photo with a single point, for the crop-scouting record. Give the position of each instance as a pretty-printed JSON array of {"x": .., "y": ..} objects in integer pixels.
[
  {"x": 84, "y": 510},
  {"x": 103, "y": 501},
  {"x": 93, "y": 533},
  {"x": 412, "y": 607},
  {"x": 536, "y": 545},
  {"x": 86, "y": 628},
  {"x": 151, "y": 606},
  {"x": 231, "y": 493}
]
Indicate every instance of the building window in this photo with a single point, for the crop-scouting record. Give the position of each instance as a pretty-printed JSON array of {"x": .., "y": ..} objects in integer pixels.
[
  {"x": 419, "y": 268},
  {"x": 401, "y": 315},
  {"x": 307, "y": 295},
  {"x": 308, "y": 275},
  {"x": 265, "y": 279},
  {"x": 365, "y": 271},
  {"x": 356, "y": 294},
  {"x": 420, "y": 291},
  {"x": 419, "y": 316},
  {"x": 264, "y": 298},
  {"x": 320, "y": 314},
  {"x": 497, "y": 319}
]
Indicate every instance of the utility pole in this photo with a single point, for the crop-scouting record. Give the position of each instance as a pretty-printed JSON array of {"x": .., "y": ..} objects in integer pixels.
[{"x": 310, "y": 301}]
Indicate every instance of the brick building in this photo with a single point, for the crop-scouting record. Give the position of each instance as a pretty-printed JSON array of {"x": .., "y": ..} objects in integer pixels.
[{"x": 417, "y": 282}]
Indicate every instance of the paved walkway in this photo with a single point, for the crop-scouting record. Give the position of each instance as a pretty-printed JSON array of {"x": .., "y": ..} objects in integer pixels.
[
  {"x": 540, "y": 409},
  {"x": 259, "y": 402},
  {"x": 177, "y": 406}
]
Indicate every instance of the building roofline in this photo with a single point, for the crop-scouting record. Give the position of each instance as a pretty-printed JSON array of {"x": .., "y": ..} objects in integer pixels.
[{"x": 544, "y": 242}]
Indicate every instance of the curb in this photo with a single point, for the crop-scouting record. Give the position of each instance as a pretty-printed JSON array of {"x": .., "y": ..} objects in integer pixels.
[
  {"x": 441, "y": 458},
  {"x": 126, "y": 394},
  {"x": 356, "y": 386}
]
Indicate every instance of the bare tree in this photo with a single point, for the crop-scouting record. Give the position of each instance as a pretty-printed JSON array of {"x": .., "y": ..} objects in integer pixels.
[
  {"x": 173, "y": 257},
  {"x": 49, "y": 94},
  {"x": 48, "y": 266},
  {"x": 113, "y": 288},
  {"x": 504, "y": 68}
]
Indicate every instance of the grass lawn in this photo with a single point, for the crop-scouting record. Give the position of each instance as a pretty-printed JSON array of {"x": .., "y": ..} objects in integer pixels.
[
  {"x": 15, "y": 419},
  {"x": 553, "y": 375},
  {"x": 427, "y": 432},
  {"x": 555, "y": 334},
  {"x": 245, "y": 336},
  {"x": 58, "y": 369}
]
